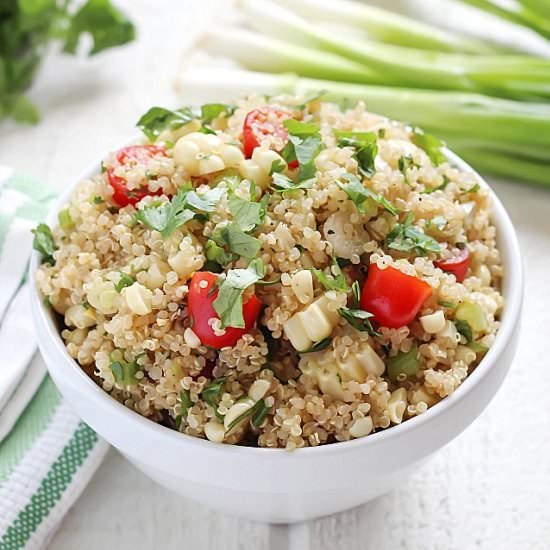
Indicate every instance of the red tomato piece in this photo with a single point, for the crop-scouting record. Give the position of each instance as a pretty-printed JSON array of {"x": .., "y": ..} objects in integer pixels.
[
  {"x": 262, "y": 123},
  {"x": 201, "y": 311},
  {"x": 134, "y": 154},
  {"x": 393, "y": 297},
  {"x": 457, "y": 265}
]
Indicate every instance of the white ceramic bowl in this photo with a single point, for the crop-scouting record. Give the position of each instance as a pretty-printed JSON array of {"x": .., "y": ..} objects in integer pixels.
[{"x": 273, "y": 484}]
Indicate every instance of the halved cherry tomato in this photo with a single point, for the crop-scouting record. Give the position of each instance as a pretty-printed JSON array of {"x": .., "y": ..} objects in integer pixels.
[
  {"x": 393, "y": 297},
  {"x": 201, "y": 311},
  {"x": 263, "y": 123},
  {"x": 457, "y": 265},
  {"x": 134, "y": 154}
]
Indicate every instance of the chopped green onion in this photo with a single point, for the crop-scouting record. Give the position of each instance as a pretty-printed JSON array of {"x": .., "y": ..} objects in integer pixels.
[
  {"x": 403, "y": 364},
  {"x": 44, "y": 243}
]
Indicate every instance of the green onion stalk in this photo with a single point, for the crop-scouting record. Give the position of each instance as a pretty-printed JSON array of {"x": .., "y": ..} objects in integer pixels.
[
  {"x": 533, "y": 14},
  {"x": 509, "y": 76},
  {"x": 385, "y": 26},
  {"x": 497, "y": 136}
]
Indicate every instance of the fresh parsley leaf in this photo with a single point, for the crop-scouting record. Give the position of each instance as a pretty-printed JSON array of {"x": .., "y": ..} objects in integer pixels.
[
  {"x": 228, "y": 304},
  {"x": 359, "y": 320},
  {"x": 44, "y": 243},
  {"x": 98, "y": 200},
  {"x": 406, "y": 237},
  {"x": 206, "y": 202},
  {"x": 337, "y": 281},
  {"x": 441, "y": 187},
  {"x": 185, "y": 405},
  {"x": 431, "y": 145},
  {"x": 247, "y": 215},
  {"x": 304, "y": 145},
  {"x": 260, "y": 413},
  {"x": 107, "y": 26},
  {"x": 158, "y": 119},
  {"x": 366, "y": 149},
  {"x": 359, "y": 194},
  {"x": 167, "y": 216},
  {"x": 210, "y": 111},
  {"x": 124, "y": 281},
  {"x": 215, "y": 253},
  {"x": 318, "y": 346},
  {"x": 405, "y": 163},
  {"x": 211, "y": 394},
  {"x": 283, "y": 184},
  {"x": 237, "y": 241},
  {"x": 277, "y": 166}
]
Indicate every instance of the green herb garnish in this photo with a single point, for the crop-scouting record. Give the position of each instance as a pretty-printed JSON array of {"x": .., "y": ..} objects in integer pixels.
[
  {"x": 304, "y": 144},
  {"x": 258, "y": 412},
  {"x": 318, "y": 346},
  {"x": 158, "y": 119},
  {"x": 210, "y": 111},
  {"x": 283, "y": 184},
  {"x": 228, "y": 304},
  {"x": 248, "y": 215},
  {"x": 366, "y": 149},
  {"x": 359, "y": 194},
  {"x": 337, "y": 281},
  {"x": 464, "y": 328},
  {"x": 124, "y": 281},
  {"x": 359, "y": 320},
  {"x": 237, "y": 241},
  {"x": 406, "y": 237},
  {"x": 405, "y": 163},
  {"x": 211, "y": 394},
  {"x": 124, "y": 372},
  {"x": 185, "y": 405},
  {"x": 441, "y": 187},
  {"x": 215, "y": 253},
  {"x": 44, "y": 243}
]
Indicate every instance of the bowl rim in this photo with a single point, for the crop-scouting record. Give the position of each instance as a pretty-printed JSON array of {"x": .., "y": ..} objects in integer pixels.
[{"x": 513, "y": 289}]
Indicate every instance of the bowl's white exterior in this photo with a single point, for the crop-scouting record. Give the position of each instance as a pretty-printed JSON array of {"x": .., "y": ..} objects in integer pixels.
[{"x": 276, "y": 485}]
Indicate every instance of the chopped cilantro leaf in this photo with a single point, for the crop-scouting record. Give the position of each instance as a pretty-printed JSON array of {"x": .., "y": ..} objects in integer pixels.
[
  {"x": 44, "y": 243},
  {"x": 318, "y": 346},
  {"x": 359, "y": 320},
  {"x": 237, "y": 241},
  {"x": 337, "y": 281},
  {"x": 283, "y": 184},
  {"x": 124, "y": 281},
  {"x": 228, "y": 304},
  {"x": 158, "y": 119},
  {"x": 406, "y": 237},
  {"x": 359, "y": 194}
]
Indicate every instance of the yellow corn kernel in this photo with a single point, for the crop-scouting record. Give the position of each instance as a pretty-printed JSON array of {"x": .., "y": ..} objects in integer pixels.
[
  {"x": 361, "y": 427},
  {"x": 138, "y": 298},
  {"x": 434, "y": 322},
  {"x": 302, "y": 285},
  {"x": 214, "y": 431},
  {"x": 397, "y": 405}
]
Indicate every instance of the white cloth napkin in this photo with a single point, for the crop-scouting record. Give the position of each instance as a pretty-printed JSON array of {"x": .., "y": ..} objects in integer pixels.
[{"x": 47, "y": 454}]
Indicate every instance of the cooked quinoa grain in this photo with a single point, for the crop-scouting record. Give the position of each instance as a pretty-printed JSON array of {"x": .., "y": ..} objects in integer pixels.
[{"x": 276, "y": 274}]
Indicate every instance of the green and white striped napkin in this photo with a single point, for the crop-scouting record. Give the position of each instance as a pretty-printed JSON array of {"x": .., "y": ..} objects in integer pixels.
[{"x": 47, "y": 454}]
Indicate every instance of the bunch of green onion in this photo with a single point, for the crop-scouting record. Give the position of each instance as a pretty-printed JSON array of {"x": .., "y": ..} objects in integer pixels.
[{"x": 491, "y": 105}]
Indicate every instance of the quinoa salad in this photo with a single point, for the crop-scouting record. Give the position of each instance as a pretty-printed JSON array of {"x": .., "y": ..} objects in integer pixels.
[{"x": 277, "y": 272}]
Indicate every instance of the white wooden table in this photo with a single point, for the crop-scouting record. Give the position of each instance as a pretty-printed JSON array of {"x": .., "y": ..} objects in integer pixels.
[{"x": 489, "y": 489}]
